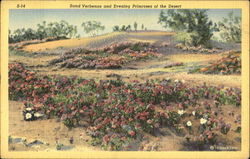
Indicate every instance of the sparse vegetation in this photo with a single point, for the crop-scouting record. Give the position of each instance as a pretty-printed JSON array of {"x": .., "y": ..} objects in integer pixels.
[{"x": 128, "y": 28}]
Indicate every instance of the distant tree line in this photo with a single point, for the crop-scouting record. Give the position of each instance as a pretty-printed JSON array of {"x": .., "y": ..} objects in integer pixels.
[
  {"x": 52, "y": 30},
  {"x": 192, "y": 26},
  {"x": 128, "y": 27}
]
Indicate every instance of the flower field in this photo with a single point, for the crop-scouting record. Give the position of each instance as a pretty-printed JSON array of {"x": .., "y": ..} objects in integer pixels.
[
  {"x": 118, "y": 113},
  {"x": 229, "y": 64},
  {"x": 109, "y": 57}
]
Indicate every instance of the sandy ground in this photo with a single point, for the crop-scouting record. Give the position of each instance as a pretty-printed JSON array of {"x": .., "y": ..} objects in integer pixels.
[{"x": 47, "y": 131}]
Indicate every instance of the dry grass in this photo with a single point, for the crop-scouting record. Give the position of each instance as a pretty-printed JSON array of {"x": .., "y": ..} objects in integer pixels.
[
  {"x": 141, "y": 40},
  {"x": 67, "y": 43},
  {"x": 153, "y": 33},
  {"x": 198, "y": 79},
  {"x": 100, "y": 74},
  {"x": 85, "y": 41},
  {"x": 32, "y": 61},
  {"x": 186, "y": 58}
]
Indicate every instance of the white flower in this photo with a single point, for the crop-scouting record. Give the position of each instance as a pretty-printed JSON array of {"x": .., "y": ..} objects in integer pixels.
[
  {"x": 203, "y": 121},
  {"x": 189, "y": 123},
  {"x": 176, "y": 81},
  {"x": 181, "y": 112},
  {"x": 28, "y": 116},
  {"x": 168, "y": 79},
  {"x": 193, "y": 112},
  {"x": 28, "y": 109},
  {"x": 38, "y": 115},
  {"x": 182, "y": 81}
]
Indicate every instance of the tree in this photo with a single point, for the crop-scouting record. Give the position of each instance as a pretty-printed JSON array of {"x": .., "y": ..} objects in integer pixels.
[
  {"x": 230, "y": 28},
  {"x": 92, "y": 27},
  {"x": 11, "y": 40},
  {"x": 116, "y": 28},
  {"x": 17, "y": 34},
  {"x": 78, "y": 36},
  {"x": 30, "y": 34},
  {"x": 71, "y": 31},
  {"x": 75, "y": 31},
  {"x": 128, "y": 28},
  {"x": 135, "y": 26},
  {"x": 195, "y": 22},
  {"x": 142, "y": 27},
  {"x": 42, "y": 31},
  {"x": 60, "y": 30},
  {"x": 123, "y": 28},
  {"x": 163, "y": 19}
]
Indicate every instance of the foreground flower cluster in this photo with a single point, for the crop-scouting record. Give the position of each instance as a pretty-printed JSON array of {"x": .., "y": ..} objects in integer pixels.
[
  {"x": 117, "y": 113},
  {"x": 110, "y": 57}
]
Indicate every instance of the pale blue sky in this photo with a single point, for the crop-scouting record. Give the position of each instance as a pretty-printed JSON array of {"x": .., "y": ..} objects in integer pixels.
[{"x": 29, "y": 18}]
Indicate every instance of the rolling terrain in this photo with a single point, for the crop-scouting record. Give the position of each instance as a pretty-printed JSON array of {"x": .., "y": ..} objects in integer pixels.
[
  {"x": 37, "y": 56},
  {"x": 174, "y": 63}
]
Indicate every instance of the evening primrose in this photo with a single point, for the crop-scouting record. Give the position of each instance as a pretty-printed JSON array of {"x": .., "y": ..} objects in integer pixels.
[
  {"x": 176, "y": 81},
  {"x": 28, "y": 109},
  {"x": 38, "y": 115},
  {"x": 181, "y": 112},
  {"x": 28, "y": 116},
  {"x": 203, "y": 121},
  {"x": 189, "y": 123},
  {"x": 193, "y": 112}
]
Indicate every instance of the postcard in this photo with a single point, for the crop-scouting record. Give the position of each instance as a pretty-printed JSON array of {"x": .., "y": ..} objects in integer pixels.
[{"x": 124, "y": 79}]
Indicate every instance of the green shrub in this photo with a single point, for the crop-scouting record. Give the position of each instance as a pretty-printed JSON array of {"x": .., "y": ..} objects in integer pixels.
[
  {"x": 195, "y": 22},
  {"x": 185, "y": 38},
  {"x": 230, "y": 28}
]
